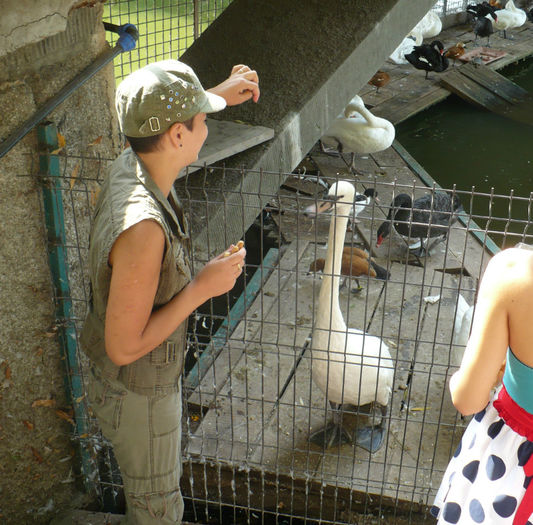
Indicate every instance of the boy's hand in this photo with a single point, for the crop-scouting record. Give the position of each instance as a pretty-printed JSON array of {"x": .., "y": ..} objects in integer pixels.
[
  {"x": 218, "y": 276},
  {"x": 240, "y": 86}
]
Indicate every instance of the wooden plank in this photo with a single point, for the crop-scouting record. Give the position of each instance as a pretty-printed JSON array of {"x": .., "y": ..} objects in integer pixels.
[
  {"x": 249, "y": 330},
  {"x": 227, "y": 138},
  {"x": 489, "y": 90},
  {"x": 236, "y": 313},
  {"x": 246, "y": 402},
  {"x": 494, "y": 82}
]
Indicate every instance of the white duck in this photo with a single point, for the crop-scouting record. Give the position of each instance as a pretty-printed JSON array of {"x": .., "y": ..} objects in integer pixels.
[
  {"x": 430, "y": 25},
  {"x": 358, "y": 131},
  {"x": 509, "y": 18},
  {"x": 406, "y": 46},
  {"x": 348, "y": 365},
  {"x": 461, "y": 329}
]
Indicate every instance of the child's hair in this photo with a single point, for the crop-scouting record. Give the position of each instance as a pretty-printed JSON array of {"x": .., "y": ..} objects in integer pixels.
[{"x": 150, "y": 144}]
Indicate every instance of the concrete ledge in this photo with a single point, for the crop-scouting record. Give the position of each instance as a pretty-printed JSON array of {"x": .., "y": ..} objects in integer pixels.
[{"x": 312, "y": 57}]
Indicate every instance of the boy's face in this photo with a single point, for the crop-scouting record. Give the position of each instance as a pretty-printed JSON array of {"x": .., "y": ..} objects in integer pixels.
[{"x": 196, "y": 137}]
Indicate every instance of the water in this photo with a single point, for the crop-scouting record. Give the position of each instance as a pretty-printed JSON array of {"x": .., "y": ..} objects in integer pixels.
[{"x": 459, "y": 144}]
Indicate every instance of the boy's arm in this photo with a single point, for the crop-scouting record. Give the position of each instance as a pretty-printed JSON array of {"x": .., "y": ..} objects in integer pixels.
[
  {"x": 240, "y": 86},
  {"x": 132, "y": 327}
]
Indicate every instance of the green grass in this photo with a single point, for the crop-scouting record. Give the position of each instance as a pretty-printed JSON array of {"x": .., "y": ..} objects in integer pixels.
[{"x": 166, "y": 28}]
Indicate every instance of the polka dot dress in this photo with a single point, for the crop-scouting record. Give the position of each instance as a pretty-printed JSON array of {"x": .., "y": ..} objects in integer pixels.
[{"x": 485, "y": 480}]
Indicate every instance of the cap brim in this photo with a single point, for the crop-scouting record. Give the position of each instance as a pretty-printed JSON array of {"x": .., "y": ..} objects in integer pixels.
[{"x": 213, "y": 103}]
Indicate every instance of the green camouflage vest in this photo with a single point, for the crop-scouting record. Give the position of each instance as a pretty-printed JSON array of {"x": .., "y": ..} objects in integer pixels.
[{"x": 128, "y": 196}]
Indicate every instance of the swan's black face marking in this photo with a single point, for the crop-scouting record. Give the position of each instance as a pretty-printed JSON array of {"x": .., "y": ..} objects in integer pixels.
[{"x": 360, "y": 197}]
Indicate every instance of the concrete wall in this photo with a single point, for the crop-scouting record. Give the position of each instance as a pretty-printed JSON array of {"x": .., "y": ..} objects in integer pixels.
[
  {"x": 37, "y": 473},
  {"x": 25, "y": 22},
  {"x": 312, "y": 58}
]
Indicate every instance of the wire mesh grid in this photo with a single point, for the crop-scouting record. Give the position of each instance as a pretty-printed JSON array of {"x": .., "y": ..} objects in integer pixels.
[
  {"x": 166, "y": 28},
  {"x": 449, "y": 7},
  {"x": 251, "y": 403}
]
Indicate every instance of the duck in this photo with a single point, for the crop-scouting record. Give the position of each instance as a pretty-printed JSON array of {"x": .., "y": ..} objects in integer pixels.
[
  {"x": 355, "y": 263},
  {"x": 358, "y": 131},
  {"x": 361, "y": 201},
  {"x": 430, "y": 25},
  {"x": 348, "y": 365},
  {"x": 456, "y": 51},
  {"x": 482, "y": 25},
  {"x": 414, "y": 38},
  {"x": 428, "y": 216},
  {"x": 379, "y": 79},
  {"x": 428, "y": 57},
  {"x": 462, "y": 322},
  {"x": 510, "y": 17}
]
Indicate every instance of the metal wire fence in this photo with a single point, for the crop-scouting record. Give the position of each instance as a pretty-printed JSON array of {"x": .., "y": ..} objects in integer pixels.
[
  {"x": 251, "y": 403},
  {"x": 166, "y": 28}
]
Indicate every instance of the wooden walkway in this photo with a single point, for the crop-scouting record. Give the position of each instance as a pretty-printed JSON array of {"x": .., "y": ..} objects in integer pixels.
[
  {"x": 408, "y": 93},
  {"x": 251, "y": 415},
  {"x": 259, "y": 400}
]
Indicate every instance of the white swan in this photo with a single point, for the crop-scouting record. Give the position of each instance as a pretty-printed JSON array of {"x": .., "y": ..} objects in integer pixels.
[
  {"x": 348, "y": 365},
  {"x": 430, "y": 25},
  {"x": 358, "y": 131},
  {"x": 509, "y": 18},
  {"x": 406, "y": 46}
]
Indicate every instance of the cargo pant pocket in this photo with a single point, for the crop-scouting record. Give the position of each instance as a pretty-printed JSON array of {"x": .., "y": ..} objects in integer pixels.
[{"x": 106, "y": 401}]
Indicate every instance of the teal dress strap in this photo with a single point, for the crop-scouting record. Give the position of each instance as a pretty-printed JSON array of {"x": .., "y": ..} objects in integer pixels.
[{"x": 518, "y": 381}]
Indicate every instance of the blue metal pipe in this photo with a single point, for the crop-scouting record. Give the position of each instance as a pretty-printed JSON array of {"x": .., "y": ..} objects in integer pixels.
[{"x": 128, "y": 36}]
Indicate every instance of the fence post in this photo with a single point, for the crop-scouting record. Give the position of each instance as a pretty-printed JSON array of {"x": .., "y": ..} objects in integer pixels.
[{"x": 49, "y": 172}]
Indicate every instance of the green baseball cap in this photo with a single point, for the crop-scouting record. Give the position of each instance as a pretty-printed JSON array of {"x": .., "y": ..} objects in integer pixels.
[{"x": 151, "y": 99}]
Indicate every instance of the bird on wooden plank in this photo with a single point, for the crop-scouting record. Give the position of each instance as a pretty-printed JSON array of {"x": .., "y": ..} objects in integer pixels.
[
  {"x": 414, "y": 38},
  {"x": 428, "y": 57},
  {"x": 351, "y": 367},
  {"x": 483, "y": 26},
  {"x": 358, "y": 131},
  {"x": 456, "y": 51},
  {"x": 361, "y": 201},
  {"x": 509, "y": 18},
  {"x": 430, "y": 25},
  {"x": 355, "y": 263},
  {"x": 379, "y": 80},
  {"x": 428, "y": 216}
]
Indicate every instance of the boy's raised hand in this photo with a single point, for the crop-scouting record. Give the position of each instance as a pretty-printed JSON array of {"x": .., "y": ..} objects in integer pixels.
[{"x": 241, "y": 85}]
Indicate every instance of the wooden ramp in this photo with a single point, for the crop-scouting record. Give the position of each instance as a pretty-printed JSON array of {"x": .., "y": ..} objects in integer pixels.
[
  {"x": 227, "y": 138},
  {"x": 485, "y": 88},
  {"x": 254, "y": 409}
]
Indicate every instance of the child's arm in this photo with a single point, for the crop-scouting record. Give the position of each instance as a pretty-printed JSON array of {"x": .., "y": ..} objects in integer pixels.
[
  {"x": 485, "y": 352},
  {"x": 133, "y": 328},
  {"x": 240, "y": 86}
]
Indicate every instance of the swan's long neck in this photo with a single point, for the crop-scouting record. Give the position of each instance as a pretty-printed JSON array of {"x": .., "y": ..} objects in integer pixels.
[
  {"x": 371, "y": 120},
  {"x": 329, "y": 313}
]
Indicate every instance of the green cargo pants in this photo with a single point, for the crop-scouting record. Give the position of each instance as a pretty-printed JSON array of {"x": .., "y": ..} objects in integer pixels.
[{"x": 145, "y": 432}]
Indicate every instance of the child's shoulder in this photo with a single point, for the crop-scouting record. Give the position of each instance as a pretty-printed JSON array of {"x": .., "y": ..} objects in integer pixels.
[{"x": 513, "y": 265}]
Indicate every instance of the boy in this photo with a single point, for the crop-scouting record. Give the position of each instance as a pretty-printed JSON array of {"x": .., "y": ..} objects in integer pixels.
[{"x": 142, "y": 290}]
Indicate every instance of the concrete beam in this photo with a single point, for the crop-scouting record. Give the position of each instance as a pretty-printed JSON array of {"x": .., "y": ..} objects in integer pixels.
[
  {"x": 312, "y": 58},
  {"x": 27, "y": 22}
]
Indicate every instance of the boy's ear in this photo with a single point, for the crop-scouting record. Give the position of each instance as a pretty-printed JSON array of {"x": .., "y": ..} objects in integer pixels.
[{"x": 175, "y": 133}]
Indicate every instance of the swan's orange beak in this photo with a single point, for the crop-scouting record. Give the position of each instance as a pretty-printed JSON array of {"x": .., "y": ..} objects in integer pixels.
[{"x": 379, "y": 241}]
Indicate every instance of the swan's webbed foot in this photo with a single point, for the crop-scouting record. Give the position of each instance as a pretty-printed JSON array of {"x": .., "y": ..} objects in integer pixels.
[
  {"x": 370, "y": 438},
  {"x": 330, "y": 436}
]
